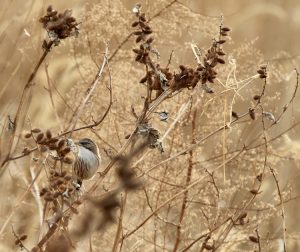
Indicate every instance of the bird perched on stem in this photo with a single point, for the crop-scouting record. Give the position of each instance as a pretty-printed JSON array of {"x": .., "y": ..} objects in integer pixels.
[{"x": 87, "y": 160}]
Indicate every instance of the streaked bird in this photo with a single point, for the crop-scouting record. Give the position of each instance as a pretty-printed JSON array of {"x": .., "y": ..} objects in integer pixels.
[{"x": 87, "y": 160}]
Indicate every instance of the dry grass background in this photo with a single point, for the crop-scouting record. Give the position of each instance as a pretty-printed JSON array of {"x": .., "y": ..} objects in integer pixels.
[{"x": 262, "y": 32}]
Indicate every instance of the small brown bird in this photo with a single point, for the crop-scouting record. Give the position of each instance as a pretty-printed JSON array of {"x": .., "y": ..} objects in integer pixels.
[{"x": 87, "y": 160}]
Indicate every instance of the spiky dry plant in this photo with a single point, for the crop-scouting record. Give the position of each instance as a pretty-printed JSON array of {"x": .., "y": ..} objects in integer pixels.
[{"x": 194, "y": 130}]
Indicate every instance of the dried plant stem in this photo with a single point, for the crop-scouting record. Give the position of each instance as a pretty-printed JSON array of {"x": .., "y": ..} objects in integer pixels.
[
  {"x": 187, "y": 182},
  {"x": 175, "y": 197},
  {"x": 24, "y": 94},
  {"x": 91, "y": 89},
  {"x": 282, "y": 209},
  {"x": 19, "y": 202},
  {"x": 51, "y": 97},
  {"x": 126, "y": 39},
  {"x": 120, "y": 224}
]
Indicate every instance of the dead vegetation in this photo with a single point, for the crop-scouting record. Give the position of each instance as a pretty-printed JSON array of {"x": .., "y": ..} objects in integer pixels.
[{"x": 196, "y": 138}]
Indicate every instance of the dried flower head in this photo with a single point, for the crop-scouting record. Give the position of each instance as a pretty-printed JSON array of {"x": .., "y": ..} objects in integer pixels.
[{"x": 59, "y": 25}]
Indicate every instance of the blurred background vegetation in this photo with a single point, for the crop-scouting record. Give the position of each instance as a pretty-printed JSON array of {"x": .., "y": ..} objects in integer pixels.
[{"x": 263, "y": 32}]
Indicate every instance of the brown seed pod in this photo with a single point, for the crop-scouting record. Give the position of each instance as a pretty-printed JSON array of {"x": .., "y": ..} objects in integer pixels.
[
  {"x": 221, "y": 53},
  {"x": 259, "y": 177},
  {"x": 53, "y": 140},
  {"x": 243, "y": 215},
  {"x": 65, "y": 151},
  {"x": 137, "y": 51},
  {"x": 148, "y": 31},
  {"x": 43, "y": 191},
  {"x": 50, "y": 8},
  {"x": 253, "y": 239},
  {"x": 138, "y": 33},
  {"x": 142, "y": 17},
  {"x": 138, "y": 57},
  {"x": 23, "y": 237},
  {"x": 221, "y": 41},
  {"x": 35, "y": 130},
  {"x": 139, "y": 38},
  {"x": 48, "y": 134},
  {"x": 260, "y": 71},
  {"x": 256, "y": 97},
  {"x": 221, "y": 61},
  {"x": 226, "y": 29},
  {"x": 48, "y": 197},
  {"x": 150, "y": 40},
  {"x": 235, "y": 115},
  {"x": 252, "y": 113},
  {"x": 254, "y": 191},
  {"x": 144, "y": 79},
  {"x": 27, "y": 135},
  {"x": 40, "y": 137},
  {"x": 135, "y": 23},
  {"x": 26, "y": 150},
  {"x": 61, "y": 143},
  {"x": 262, "y": 76},
  {"x": 52, "y": 147}
]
